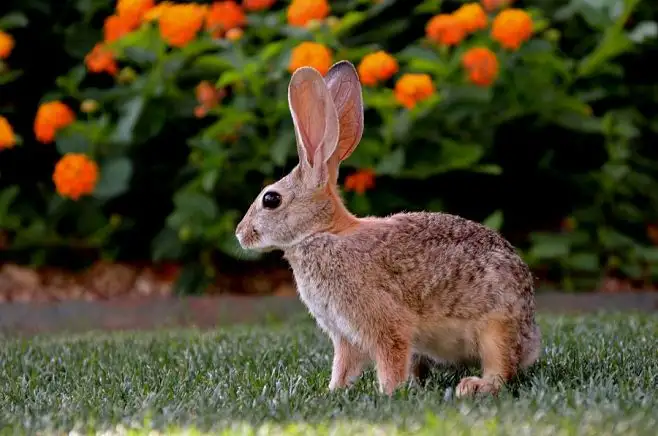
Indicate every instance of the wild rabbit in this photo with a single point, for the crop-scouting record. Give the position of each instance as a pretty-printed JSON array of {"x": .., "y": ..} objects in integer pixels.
[{"x": 430, "y": 285}]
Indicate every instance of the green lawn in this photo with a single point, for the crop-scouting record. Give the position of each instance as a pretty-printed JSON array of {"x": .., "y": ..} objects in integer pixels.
[{"x": 598, "y": 376}]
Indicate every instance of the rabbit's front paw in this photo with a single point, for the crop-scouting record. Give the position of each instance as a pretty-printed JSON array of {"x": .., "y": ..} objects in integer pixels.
[
  {"x": 348, "y": 363},
  {"x": 470, "y": 386}
]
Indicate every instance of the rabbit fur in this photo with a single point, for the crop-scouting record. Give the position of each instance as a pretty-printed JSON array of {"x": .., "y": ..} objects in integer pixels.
[{"x": 389, "y": 289}]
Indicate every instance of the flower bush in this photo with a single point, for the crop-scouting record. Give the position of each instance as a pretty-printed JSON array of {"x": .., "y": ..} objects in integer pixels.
[{"x": 172, "y": 115}]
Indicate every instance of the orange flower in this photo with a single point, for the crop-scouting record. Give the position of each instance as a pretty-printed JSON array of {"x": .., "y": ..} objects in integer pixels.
[
  {"x": 511, "y": 27},
  {"x": 155, "y": 12},
  {"x": 179, "y": 23},
  {"x": 100, "y": 60},
  {"x": 490, "y": 5},
  {"x": 481, "y": 65},
  {"x": 75, "y": 175},
  {"x": 375, "y": 67},
  {"x": 7, "y": 137},
  {"x": 300, "y": 12},
  {"x": 116, "y": 28},
  {"x": 412, "y": 88},
  {"x": 6, "y": 45},
  {"x": 234, "y": 34},
  {"x": 472, "y": 17},
  {"x": 224, "y": 16},
  {"x": 51, "y": 117},
  {"x": 133, "y": 11},
  {"x": 310, "y": 54},
  {"x": 257, "y": 5},
  {"x": 360, "y": 181},
  {"x": 208, "y": 97},
  {"x": 445, "y": 29}
]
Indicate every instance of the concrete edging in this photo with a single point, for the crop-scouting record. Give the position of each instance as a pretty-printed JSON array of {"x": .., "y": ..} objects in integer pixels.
[{"x": 209, "y": 312}]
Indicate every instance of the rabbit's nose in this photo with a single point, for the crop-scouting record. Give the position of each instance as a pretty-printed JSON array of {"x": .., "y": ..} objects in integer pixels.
[
  {"x": 239, "y": 237},
  {"x": 239, "y": 232}
]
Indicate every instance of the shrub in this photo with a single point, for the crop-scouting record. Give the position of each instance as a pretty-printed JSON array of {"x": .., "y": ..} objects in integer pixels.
[{"x": 175, "y": 115}]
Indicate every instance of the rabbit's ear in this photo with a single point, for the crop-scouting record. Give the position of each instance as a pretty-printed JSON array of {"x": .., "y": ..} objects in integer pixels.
[
  {"x": 345, "y": 89},
  {"x": 316, "y": 122}
]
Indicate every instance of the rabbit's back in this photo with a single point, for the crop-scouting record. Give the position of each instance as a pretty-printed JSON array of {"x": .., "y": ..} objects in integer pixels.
[{"x": 429, "y": 262}]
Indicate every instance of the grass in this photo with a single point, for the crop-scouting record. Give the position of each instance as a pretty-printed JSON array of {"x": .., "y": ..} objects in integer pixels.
[{"x": 598, "y": 376}]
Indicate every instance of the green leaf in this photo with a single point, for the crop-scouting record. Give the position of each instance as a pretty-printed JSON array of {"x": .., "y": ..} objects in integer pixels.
[
  {"x": 115, "y": 177},
  {"x": 613, "y": 240},
  {"x": 13, "y": 20},
  {"x": 271, "y": 50},
  {"x": 349, "y": 21},
  {"x": 495, "y": 220},
  {"x": 9, "y": 76},
  {"x": 69, "y": 140},
  {"x": 229, "y": 78},
  {"x": 649, "y": 254},
  {"x": 632, "y": 269},
  {"x": 414, "y": 52},
  {"x": 72, "y": 80},
  {"x": 209, "y": 179},
  {"x": 643, "y": 31},
  {"x": 150, "y": 124},
  {"x": 166, "y": 245},
  {"x": 282, "y": 146},
  {"x": 7, "y": 197},
  {"x": 392, "y": 163},
  {"x": 131, "y": 110},
  {"x": 450, "y": 156},
  {"x": 196, "y": 206},
  {"x": 549, "y": 246},
  {"x": 584, "y": 262},
  {"x": 428, "y": 7},
  {"x": 401, "y": 125},
  {"x": 212, "y": 63},
  {"x": 614, "y": 42},
  {"x": 32, "y": 235}
]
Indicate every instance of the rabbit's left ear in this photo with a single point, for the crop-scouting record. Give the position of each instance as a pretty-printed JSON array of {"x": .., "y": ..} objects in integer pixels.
[
  {"x": 344, "y": 86},
  {"x": 316, "y": 123}
]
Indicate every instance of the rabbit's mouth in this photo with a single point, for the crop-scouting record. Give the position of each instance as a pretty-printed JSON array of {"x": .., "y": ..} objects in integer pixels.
[
  {"x": 252, "y": 240},
  {"x": 248, "y": 239}
]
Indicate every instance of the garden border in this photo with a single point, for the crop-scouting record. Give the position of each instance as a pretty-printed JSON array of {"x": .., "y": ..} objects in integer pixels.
[{"x": 212, "y": 311}]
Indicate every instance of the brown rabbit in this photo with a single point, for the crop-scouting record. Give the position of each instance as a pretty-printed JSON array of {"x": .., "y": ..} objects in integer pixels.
[{"x": 430, "y": 285}]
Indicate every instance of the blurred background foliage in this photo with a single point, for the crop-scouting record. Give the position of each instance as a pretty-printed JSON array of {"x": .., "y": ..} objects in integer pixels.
[{"x": 558, "y": 153}]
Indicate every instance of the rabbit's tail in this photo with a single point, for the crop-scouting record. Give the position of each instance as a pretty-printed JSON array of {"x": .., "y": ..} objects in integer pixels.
[{"x": 531, "y": 346}]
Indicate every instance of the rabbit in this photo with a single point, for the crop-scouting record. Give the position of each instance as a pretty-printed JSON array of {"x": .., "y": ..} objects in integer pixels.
[{"x": 388, "y": 289}]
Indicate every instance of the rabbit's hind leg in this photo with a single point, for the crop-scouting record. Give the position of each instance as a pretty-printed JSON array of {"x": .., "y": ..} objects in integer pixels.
[{"x": 500, "y": 352}]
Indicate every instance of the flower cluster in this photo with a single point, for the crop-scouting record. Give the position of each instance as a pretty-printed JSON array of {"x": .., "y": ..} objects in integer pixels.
[
  {"x": 181, "y": 23},
  {"x": 7, "y": 136},
  {"x": 6, "y": 44},
  {"x": 302, "y": 12},
  {"x": 75, "y": 175},
  {"x": 360, "y": 181},
  {"x": 509, "y": 28},
  {"x": 178, "y": 24}
]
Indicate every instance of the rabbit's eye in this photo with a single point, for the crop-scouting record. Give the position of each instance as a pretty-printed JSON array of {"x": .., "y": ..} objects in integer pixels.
[{"x": 271, "y": 200}]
